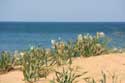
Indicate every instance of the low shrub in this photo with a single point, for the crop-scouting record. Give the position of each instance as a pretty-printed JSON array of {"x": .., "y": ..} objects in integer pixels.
[
  {"x": 5, "y": 61},
  {"x": 35, "y": 64},
  {"x": 66, "y": 76},
  {"x": 102, "y": 80},
  {"x": 88, "y": 45},
  {"x": 61, "y": 52}
]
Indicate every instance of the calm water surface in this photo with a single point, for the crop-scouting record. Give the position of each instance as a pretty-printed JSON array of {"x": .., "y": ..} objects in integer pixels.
[{"x": 22, "y": 35}]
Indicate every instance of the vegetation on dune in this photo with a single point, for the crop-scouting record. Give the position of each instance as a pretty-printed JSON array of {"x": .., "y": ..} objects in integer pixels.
[
  {"x": 102, "y": 80},
  {"x": 61, "y": 52},
  {"x": 85, "y": 45},
  {"x": 66, "y": 76},
  {"x": 39, "y": 62},
  {"x": 36, "y": 64},
  {"x": 88, "y": 45},
  {"x": 70, "y": 76},
  {"x": 6, "y": 61}
]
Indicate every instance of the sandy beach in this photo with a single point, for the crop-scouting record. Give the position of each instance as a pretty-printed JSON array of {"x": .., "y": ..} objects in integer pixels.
[
  {"x": 110, "y": 64},
  {"x": 62, "y": 41}
]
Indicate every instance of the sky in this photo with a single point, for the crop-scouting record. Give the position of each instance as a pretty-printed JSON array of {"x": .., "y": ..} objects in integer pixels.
[{"x": 63, "y": 10}]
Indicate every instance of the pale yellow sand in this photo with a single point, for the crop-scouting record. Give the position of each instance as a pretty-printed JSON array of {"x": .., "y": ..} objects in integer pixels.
[{"x": 110, "y": 64}]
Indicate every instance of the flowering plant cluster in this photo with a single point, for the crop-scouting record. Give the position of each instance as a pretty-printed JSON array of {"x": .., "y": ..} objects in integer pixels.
[{"x": 37, "y": 62}]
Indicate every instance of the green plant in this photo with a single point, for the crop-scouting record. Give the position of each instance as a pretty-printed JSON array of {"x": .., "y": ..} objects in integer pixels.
[
  {"x": 62, "y": 52},
  {"x": 88, "y": 45},
  {"x": 35, "y": 64},
  {"x": 66, "y": 76},
  {"x": 85, "y": 45},
  {"x": 17, "y": 58},
  {"x": 5, "y": 61},
  {"x": 102, "y": 80},
  {"x": 29, "y": 68}
]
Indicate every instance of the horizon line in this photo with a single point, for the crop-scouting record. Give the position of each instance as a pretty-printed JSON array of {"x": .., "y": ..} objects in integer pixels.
[{"x": 69, "y": 21}]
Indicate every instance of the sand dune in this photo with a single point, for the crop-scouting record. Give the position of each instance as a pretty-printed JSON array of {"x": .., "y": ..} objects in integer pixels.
[{"x": 110, "y": 64}]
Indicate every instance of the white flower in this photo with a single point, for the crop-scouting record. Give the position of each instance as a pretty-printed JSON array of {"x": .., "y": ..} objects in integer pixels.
[
  {"x": 100, "y": 34},
  {"x": 31, "y": 48},
  {"x": 53, "y": 42},
  {"x": 98, "y": 45},
  {"x": 85, "y": 37},
  {"x": 80, "y": 37},
  {"x": 90, "y": 37},
  {"x": 115, "y": 49},
  {"x": 22, "y": 54}
]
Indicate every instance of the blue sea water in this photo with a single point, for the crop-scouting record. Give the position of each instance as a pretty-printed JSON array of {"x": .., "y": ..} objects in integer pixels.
[{"x": 22, "y": 35}]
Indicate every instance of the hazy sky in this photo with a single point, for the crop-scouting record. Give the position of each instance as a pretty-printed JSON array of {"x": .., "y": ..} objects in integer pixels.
[{"x": 62, "y": 10}]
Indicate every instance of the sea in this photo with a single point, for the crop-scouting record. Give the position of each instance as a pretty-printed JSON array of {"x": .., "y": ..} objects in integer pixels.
[{"x": 23, "y": 35}]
